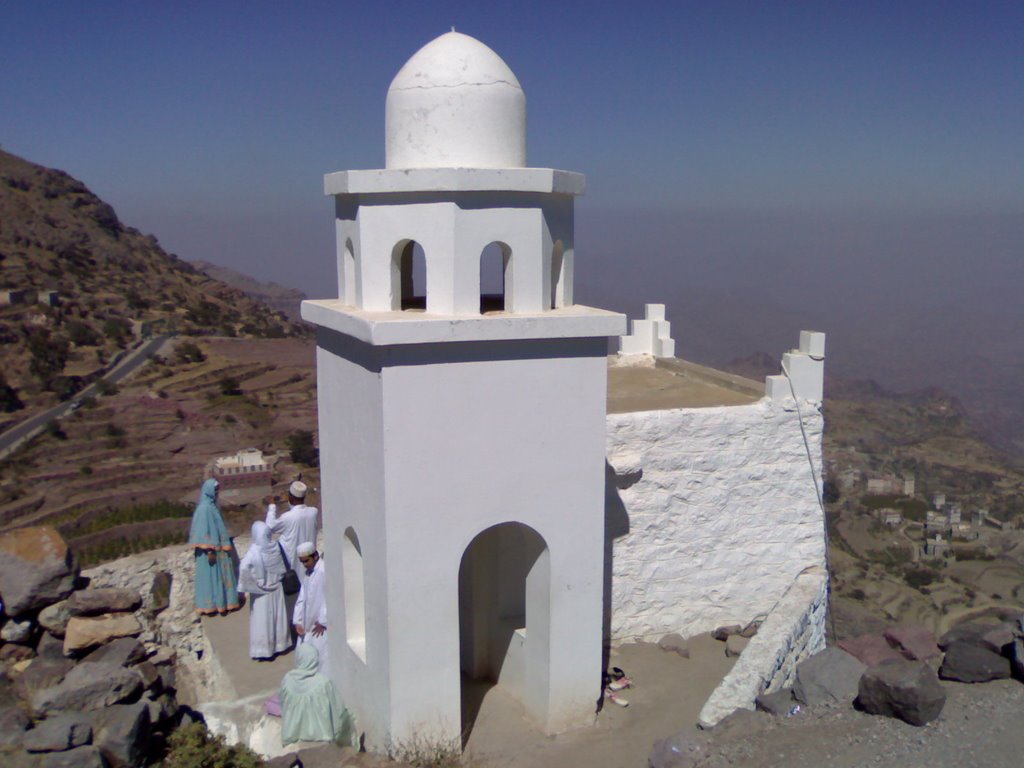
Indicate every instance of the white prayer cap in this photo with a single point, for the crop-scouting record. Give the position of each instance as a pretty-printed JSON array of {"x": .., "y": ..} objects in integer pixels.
[
  {"x": 297, "y": 489},
  {"x": 305, "y": 549}
]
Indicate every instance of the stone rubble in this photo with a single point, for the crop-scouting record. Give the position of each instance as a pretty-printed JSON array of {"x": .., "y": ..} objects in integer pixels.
[{"x": 93, "y": 684}]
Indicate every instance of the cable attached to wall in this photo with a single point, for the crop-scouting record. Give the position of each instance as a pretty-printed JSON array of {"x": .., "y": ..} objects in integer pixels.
[{"x": 817, "y": 493}]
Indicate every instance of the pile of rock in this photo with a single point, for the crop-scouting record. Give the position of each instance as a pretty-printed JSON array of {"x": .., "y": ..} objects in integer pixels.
[
  {"x": 77, "y": 687},
  {"x": 896, "y": 674}
]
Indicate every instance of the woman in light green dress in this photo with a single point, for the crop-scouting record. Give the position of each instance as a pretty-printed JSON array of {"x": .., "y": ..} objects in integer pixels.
[{"x": 310, "y": 710}]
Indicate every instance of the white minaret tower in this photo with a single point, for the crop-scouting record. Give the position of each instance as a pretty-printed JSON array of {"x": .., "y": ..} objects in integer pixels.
[{"x": 462, "y": 436}]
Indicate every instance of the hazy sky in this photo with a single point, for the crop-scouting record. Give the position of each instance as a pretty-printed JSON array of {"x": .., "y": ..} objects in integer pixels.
[{"x": 830, "y": 159}]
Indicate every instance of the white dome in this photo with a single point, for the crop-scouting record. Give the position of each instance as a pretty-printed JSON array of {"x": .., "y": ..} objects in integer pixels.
[{"x": 455, "y": 104}]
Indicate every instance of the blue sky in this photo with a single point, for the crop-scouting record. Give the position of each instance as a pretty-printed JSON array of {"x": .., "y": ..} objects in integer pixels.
[{"x": 763, "y": 151}]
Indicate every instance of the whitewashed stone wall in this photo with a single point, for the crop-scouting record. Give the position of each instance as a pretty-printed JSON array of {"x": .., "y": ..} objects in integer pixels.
[
  {"x": 712, "y": 513},
  {"x": 793, "y": 631}
]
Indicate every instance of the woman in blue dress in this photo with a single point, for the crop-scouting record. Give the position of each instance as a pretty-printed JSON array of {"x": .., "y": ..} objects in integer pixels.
[{"x": 216, "y": 585}]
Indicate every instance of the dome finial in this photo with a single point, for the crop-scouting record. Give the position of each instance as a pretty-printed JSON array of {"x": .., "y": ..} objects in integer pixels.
[{"x": 455, "y": 104}]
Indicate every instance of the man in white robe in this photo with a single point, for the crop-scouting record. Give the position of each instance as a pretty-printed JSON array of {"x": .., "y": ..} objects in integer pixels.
[
  {"x": 310, "y": 614},
  {"x": 298, "y": 524}
]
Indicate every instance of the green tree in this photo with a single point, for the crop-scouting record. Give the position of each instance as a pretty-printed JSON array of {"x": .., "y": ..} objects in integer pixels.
[
  {"x": 301, "y": 448},
  {"x": 48, "y": 354},
  {"x": 9, "y": 400}
]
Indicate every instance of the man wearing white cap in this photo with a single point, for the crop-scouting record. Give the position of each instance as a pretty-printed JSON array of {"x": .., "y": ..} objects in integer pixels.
[
  {"x": 296, "y": 525},
  {"x": 310, "y": 614}
]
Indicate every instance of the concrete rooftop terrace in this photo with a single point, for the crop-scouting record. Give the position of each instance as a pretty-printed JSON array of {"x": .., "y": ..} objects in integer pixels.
[{"x": 674, "y": 383}]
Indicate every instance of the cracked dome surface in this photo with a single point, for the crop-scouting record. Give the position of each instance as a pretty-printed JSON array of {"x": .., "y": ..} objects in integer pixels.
[{"x": 455, "y": 104}]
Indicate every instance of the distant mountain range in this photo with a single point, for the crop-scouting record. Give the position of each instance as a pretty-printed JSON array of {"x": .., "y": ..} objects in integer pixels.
[{"x": 284, "y": 300}]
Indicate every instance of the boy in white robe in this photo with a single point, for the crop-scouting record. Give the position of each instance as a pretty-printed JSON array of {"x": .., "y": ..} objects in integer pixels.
[{"x": 310, "y": 614}]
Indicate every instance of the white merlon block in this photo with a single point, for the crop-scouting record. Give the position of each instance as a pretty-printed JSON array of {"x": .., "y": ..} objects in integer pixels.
[
  {"x": 643, "y": 328},
  {"x": 654, "y": 311},
  {"x": 776, "y": 387},
  {"x": 812, "y": 343},
  {"x": 807, "y": 375},
  {"x": 633, "y": 345},
  {"x": 666, "y": 348},
  {"x": 663, "y": 329}
]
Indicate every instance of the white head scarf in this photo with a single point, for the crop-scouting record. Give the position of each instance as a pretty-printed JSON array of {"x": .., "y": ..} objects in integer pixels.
[{"x": 262, "y": 566}]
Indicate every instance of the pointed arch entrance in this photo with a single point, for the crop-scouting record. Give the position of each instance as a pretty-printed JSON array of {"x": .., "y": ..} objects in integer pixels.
[{"x": 504, "y": 619}]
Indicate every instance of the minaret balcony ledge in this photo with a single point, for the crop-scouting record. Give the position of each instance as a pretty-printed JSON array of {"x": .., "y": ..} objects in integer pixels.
[{"x": 412, "y": 327}]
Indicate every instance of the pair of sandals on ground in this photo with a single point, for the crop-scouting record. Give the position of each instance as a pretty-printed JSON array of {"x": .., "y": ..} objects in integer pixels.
[{"x": 614, "y": 682}]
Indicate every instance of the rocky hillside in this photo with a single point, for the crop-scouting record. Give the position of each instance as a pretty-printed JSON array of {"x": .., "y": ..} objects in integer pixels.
[{"x": 112, "y": 285}]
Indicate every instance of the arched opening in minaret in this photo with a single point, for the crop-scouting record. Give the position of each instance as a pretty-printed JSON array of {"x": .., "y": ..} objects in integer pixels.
[
  {"x": 558, "y": 275},
  {"x": 355, "y": 600},
  {"x": 495, "y": 278},
  {"x": 408, "y": 277},
  {"x": 348, "y": 274},
  {"x": 504, "y": 619}
]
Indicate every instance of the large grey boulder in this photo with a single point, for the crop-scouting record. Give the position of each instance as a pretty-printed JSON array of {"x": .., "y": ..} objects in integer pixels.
[
  {"x": 15, "y": 631},
  {"x": 54, "y": 618},
  {"x": 49, "y": 647},
  {"x": 908, "y": 690},
  {"x": 122, "y": 652},
  {"x": 966, "y": 662},
  {"x": 914, "y": 641},
  {"x": 36, "y": 569},
  {"x": 13, "y": 724},
  {"x": 89, "y": 687},
  {"x": 831, "y": 676},
  {"x": 122, "y": 732},
  {"x": 82, "y": 757},
  {"x": 85, "y": 632},
  {"x": 40, "y": 674},
  {"x": 778, "y": 703},
  {"x": 994, "y": 637},
  {"x": 57, "y": 734},
  {"x": 93, "y": 602}
]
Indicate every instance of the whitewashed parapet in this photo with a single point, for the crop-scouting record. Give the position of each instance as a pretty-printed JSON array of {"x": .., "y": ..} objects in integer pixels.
[
  {"x": 793, "y": 631},
  {"x": 713, "y": 515},
  {"x": 650, "y": 336}
]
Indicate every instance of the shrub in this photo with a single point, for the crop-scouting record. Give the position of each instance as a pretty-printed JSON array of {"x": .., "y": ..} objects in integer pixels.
[
  {"x": 193, "y": 746},
  {"x": 919, "y": 577},
  {"x": 118, "y": 330},
  {"x": 229, "y": 386},
  {"x": 85, "y": 469},
  {"x": 82, "y": 335},
  {"x": 53, "y": 430},
  {"x": 9, "y": 400},
  {"x": 301, "y": 448},
  {"x": 188, "y": 352},
  {"x": 106, "y": 388}
]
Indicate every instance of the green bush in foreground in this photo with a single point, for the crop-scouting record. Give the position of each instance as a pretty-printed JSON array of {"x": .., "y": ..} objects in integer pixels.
[{"x": 192, "y": 746}]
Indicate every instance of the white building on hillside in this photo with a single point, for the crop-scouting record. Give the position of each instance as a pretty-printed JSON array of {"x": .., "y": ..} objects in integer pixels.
[{"x": 484, "y": 514}]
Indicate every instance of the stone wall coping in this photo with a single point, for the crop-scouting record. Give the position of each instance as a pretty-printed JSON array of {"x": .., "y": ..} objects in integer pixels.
[{"x": 755, "y": 670}]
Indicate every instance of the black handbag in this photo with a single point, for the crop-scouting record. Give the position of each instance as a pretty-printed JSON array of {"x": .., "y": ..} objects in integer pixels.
[{"x": 290, "y": 581}]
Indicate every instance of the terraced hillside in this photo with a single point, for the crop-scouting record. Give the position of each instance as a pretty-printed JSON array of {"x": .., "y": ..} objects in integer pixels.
[{"x": 121, "y": 472}]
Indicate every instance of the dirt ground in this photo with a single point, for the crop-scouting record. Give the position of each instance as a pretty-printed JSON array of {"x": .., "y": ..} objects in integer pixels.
[
  {"x": 668, "y": 694},
  {"x": 979, "y": 726}
]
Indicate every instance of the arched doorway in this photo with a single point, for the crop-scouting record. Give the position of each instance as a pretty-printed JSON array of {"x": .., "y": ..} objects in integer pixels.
[{"x": 504, "y": 602}]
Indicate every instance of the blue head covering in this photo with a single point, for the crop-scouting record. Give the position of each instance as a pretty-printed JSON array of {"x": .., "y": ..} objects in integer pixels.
[{"x": 207, "y": 524}]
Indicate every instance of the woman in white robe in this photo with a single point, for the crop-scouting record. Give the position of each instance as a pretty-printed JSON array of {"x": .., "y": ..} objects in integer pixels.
[{"x": 260, "y": 575}]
